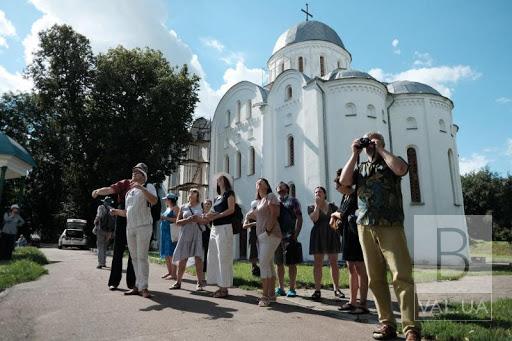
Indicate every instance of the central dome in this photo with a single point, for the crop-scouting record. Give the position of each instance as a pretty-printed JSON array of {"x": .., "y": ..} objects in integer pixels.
[{"x": 307, "y": 30}]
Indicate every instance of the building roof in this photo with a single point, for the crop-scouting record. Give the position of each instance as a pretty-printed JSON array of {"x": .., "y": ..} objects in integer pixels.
[
  {"x": 408, "y": 87},
  {"x": 10, "y": 147},
  {"x": 305, "y": 31},
  {"x": 340, "y": 73}
]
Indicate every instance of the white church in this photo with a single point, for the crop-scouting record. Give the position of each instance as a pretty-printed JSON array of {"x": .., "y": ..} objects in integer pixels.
[{"x": 299, "y": 128}]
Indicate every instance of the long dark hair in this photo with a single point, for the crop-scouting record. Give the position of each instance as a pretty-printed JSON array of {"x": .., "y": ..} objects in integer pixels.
[
  {"x": 269, "y": 189},
  {"x": 227, "y": 184}
]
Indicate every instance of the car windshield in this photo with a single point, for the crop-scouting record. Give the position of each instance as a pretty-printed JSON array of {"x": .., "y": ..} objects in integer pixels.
[{"x": 75, "y": 225}]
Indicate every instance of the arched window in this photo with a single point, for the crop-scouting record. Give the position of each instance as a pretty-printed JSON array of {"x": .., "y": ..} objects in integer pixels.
[
  {"x": 301, "y": 64},
  {"x": 288, "y": 92},
  {"x": 442, "y": 126},
  {"x": 282, "y": 68},
  {"x": 322, "y": 66},
  {"x": 414, "y": 180},
  {"x": 249, "y": 109},
  {"x": 293, "y": 192},
  {"x": 350, "y": 109},
  {"x": 228, "y": 118},
  {"x": 383, "y": 116},
  {"x": 453, "y": 179},
  {"x": 252, "y": 161},
  {"x": 238, "y": 110},
  {"x": 226, "y": 163},
  {"x": 291, "y": 151},
  {"x": 238, "y": 162},
  {"x": 411, "y": 123},
  {"x": 370, "y": 111}
]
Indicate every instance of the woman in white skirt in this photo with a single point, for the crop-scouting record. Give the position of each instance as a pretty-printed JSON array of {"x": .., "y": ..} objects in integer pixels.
[
  {"x": 220, "y": 250},
  {"x": 269, "y": 237},
  {"x": 190, "y": 243}
]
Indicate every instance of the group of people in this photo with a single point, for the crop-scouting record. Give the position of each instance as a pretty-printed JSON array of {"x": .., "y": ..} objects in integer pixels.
[{"x": 370, "y": 219}]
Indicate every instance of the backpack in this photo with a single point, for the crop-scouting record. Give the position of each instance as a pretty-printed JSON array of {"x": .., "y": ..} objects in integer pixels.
[
  {"x": 286, "y": 219},
  {"x": 237, "y": 219},
  {"x": 156, "y": 209},
  {"x": 107, "y": 222}
]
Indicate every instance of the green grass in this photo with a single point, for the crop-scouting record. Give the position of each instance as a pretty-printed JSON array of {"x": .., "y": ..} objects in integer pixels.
[
  {"x": 501, "y": 251},
  {"x": 482, "y": 326},
  {"x": 26, "y": 265}
]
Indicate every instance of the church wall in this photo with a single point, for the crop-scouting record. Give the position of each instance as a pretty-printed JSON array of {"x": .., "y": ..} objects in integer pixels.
[
  {"x": 431, "y": 147},
  {"x": 348, "y": 118},
  {"x": 311, "y": 52}
]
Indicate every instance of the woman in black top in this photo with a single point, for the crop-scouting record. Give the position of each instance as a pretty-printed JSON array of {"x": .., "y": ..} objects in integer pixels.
[
  {"x": 220, "y": 250},
  {"x": 324, "y": 241},
  {"x": 352, "y": 253}
]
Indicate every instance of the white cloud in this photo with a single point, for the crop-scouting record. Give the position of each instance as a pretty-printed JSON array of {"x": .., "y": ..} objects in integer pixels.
[
  {"x": 135, "y": 23},
  {"x": 213, "y": 43},
  {"x": 503, "y": 100},
  {"x": 422, "y": 59},
  {"x": 7, "y": 29},
  {"x": 13, "y": 81},
  {"x": 442, "y": 78},
  {"x": 395, "y": 43},
  {"x": 473, "y": 163}
]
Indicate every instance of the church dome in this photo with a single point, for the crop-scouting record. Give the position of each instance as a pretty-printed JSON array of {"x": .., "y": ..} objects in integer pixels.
[
  {"x": 340, "y": 73},
  {"x": 307, "y": 30},
  {"x": 408, "y": 87}
]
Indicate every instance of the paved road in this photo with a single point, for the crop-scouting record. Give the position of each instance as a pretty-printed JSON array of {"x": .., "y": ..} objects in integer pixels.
[{"x": 73, "y": 302}]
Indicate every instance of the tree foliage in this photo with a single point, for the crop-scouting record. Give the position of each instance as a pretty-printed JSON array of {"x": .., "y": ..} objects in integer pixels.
[
  {"x": 90, "y": 118},
  {"x": 486, "y": 192}
]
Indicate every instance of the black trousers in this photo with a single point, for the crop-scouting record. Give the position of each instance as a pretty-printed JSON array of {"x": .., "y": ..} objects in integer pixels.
[
  {"x": 7, "y": 242},
  {"x": 116, "y": 270}
]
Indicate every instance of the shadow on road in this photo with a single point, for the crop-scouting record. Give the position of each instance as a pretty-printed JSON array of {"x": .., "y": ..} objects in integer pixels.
[{"x": 165, "y": 300}]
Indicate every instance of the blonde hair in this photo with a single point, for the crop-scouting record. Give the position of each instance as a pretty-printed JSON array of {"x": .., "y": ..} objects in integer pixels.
[{"x": 196, "y": 191}]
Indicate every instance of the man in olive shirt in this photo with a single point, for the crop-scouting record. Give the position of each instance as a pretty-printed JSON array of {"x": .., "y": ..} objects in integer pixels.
[{"x": 381, "y": 232}]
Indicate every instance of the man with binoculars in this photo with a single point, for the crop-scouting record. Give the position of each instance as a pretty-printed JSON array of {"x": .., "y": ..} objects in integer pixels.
[{"x": 381, "y": 232}]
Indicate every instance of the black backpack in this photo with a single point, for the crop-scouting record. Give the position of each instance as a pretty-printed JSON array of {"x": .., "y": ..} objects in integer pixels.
[
  {"x": 156, "y": 209},
  {"x": 107, "y": 222},
  {"x": 237, "y": 219},
  {"x": 286, "y": 219}
]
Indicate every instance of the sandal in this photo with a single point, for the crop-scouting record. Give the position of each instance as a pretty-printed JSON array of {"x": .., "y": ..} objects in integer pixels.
[
  {"x": 132, "y": 292},
  {"x": 199, "y": 286},
  {"x": 175, "y": 286},
  {"x": 339, "y": 294},
  {"x": 317, "y": 295},
  {"x": 359, "y": 311},
  {"x": 146, "y": 293},
  {"x": 166, "y": 275},
  {"x": 221, "y": 293},
  {"x": 264, "y": 302},
  {"x": 347, "y": 307}
]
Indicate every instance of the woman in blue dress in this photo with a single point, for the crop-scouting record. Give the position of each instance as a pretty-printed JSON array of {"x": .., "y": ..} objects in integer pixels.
[{"x": 167, "y": 224}]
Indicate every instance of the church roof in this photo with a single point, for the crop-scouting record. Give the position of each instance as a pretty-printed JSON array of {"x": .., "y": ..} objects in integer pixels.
[
  {"x": 340, "y": 73},
  {"x": 10, "y": 147},
  {"x": 408, "y": 87},
  {"x": 307, "y": 30}
]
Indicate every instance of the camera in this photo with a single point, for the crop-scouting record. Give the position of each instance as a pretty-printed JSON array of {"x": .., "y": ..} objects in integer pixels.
[{"x": 364, "y": 142}]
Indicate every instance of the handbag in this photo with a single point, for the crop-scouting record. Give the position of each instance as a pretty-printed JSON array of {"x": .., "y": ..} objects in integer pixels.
[{"x": 293, "y": 253}]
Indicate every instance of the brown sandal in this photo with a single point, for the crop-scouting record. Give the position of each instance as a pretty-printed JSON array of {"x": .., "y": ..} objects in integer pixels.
[
  {"x": 221, "y": 293},
  {"x": 146, "y": 293}
]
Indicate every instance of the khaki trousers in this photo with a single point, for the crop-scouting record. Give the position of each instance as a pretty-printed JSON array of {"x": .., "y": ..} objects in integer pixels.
[{"x": 386, "y": 245}]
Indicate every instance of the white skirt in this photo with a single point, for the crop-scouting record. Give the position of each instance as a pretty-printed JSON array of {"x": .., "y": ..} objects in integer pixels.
[{"x": 220, "y": 256}]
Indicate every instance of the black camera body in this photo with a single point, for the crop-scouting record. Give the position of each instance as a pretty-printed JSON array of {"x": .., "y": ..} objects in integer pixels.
[{"x": 364, "y": 142}]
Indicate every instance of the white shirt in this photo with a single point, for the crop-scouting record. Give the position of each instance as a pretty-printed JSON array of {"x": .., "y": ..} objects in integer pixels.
[{"x": 138, "y": 209}]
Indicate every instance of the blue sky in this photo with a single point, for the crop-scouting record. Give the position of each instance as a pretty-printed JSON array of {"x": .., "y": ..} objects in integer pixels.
[{"x": 462, "y": 48}]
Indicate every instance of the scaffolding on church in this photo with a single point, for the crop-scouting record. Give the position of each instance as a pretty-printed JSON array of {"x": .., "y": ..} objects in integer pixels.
[{"x": 193, "y": 170}]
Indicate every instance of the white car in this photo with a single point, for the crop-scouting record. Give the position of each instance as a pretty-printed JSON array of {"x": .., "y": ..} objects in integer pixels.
[{"x": 74, "y": 234}]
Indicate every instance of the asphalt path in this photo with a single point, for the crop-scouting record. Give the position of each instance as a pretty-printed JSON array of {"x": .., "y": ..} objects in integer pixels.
[{"x": 73, "y": 302}]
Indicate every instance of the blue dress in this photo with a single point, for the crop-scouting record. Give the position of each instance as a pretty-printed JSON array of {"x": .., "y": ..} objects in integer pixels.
[{"x": 166, "y": 245}]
